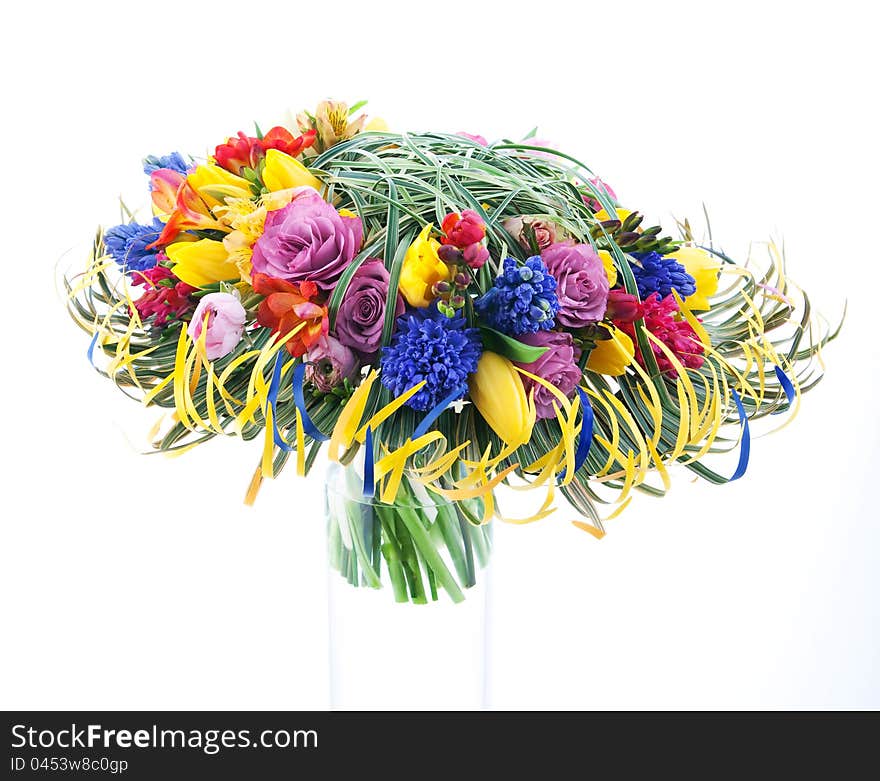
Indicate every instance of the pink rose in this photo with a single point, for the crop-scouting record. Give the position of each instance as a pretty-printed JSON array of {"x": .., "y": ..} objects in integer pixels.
[
  {"x": 545, "y": 232},
  {"x": 226, "y": 319}
]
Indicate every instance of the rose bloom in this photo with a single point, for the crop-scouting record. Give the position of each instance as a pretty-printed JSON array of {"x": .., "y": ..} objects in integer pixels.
[
  {"x": 361, "y": 314},
  {"x": 546, "y": 232},
  {"x": 581, "y": 283},
  {"x": 307, "y": 240},
  {"x": 558, "y": 365},
  {"x": 226, "y": 318},
  {"x": 330, "y": 363}
]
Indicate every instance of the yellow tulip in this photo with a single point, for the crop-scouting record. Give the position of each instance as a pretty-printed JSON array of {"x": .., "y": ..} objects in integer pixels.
[
  {"x": 215, "y": 184},
  {"x": 421, "y": 270},
  {"x": 610, "y": 268},
  {"x": 201, "y": 263},
  {"x": 612, "y": 356},
  {"x": 497, "y": 391},
  {"x": 283, "y": 172},
  {"x": 704, "y": 267},
  {"x": 622, "y": 214},
  {"x": 377, "y": 124}
]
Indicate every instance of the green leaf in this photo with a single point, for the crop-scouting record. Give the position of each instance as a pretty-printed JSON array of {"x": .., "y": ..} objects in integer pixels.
[{"x": 510, "y": 348}]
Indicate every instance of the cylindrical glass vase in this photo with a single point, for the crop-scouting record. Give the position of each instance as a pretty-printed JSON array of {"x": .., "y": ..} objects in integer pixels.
[{"x": 408, "y": 597}]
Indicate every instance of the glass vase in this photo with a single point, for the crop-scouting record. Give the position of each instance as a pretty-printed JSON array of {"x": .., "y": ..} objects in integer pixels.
[{"x": 408, "y": 597}]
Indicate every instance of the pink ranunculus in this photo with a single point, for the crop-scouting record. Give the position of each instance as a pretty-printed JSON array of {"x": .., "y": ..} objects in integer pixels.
[
  {"x": 330, "y": 363},
  {"x": 581, "y": 283},
  {"x": 558, "y": 365},
  {"x": 226, "y": 319},
  {"x": 602, "y": 187},
  {"x": 361, "y": 314},
  {"x": 307, "y": 240}
]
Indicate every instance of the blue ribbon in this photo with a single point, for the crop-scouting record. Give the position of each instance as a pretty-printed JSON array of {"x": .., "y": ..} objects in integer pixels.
[
  {"x": 369, "y": 476},
  {"x": 586, "y": 435},
  {"x": 299, "y": 376},
  {"x": 309, "y": 428},
  {"x": 435, "y": 413},
  {"x": 745, "y": 442},
  {"x": 787, "y": 386},
  {"x": 90, "y": 354}
]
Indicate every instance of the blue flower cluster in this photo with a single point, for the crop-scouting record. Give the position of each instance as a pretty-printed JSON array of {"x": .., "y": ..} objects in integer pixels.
[
  {"x": 661, "y": 275},
  {"x": 523, "y": 299},
  {"x": 430, "y": 346},
  {"x": 174, "y": 161},
  {"x": 127, "y": 244}
]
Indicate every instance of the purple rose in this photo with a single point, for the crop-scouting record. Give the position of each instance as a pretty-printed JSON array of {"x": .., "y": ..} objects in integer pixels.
[
  {"x": 558, "y": 365},
  {"x": 307, "y": 239},
  {"x": 581, "y": 283},
  {"x": 330, "y": 362},
  {"x": 361, "y": 314}
]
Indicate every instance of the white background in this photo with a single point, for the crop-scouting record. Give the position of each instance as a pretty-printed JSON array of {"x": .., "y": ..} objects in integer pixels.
[{"x": 139, "y": 582}]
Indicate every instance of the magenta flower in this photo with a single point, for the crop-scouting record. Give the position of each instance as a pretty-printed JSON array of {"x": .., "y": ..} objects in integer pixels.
[
  {"x": 307, "y": 240},
  {"x": 361, "y": 314},
  {"x": 473, "y": 137},
  {"x": 582, "y": 284},
  {"x": 330, "y": 363},
  {"x": 602, "y": 187},
  {"x": 226, "y": 318},
  {"x": 558, "y": 365}
]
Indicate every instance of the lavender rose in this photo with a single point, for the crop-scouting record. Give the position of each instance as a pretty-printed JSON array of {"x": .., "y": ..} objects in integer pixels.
[
  {"x": 558, "y": 365},
  {"x": 330, "y": 363},
  {"x": 361, "y": 314},
  {"x": 307, "y": 239},
  {"x": 581, "y": 283}
]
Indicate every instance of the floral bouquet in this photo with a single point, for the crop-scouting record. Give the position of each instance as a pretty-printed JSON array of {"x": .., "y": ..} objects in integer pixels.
[{"x": 448, "y": 315}]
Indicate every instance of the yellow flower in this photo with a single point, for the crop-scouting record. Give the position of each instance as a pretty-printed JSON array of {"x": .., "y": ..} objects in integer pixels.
[
  {"x": 214, "y": 184},
  {"x": 610, "y": 268},
  {"x": 622, "y": 214},
  {"x": 331, "y": 121},
  {"x": 283, "y": 172},
  {"x": 377, "y": 124},
  {"x": 497, "y": 391},
  {"x": 612, "y": 356},
  {"x": 421, "y": 270},
  {"x": 704, "y": 267},
  {"x": 201, "y": 263}
]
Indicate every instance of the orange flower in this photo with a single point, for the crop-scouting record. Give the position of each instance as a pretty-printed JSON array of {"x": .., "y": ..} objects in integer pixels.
[
  {"x": 287, "y": 305},
  {"x": 189, "y": 211}
]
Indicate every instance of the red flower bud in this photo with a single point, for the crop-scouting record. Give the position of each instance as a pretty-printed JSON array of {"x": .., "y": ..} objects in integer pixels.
[
  {"x": 622, "y": 306},
  {"x": 463, "y": 229}
]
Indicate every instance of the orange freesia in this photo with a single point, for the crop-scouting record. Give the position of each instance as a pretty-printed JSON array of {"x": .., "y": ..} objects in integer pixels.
[{"x": 287, "y": 305}]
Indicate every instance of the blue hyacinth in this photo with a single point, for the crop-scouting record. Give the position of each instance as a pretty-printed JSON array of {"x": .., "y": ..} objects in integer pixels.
[
  {"x": 127, "y": 244},
  {"x": 661, "y": 275},
  {"x": 174, "y": 161},
  {"x": 523, "y": 299},
  {"x": 430, "y": 346}
]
